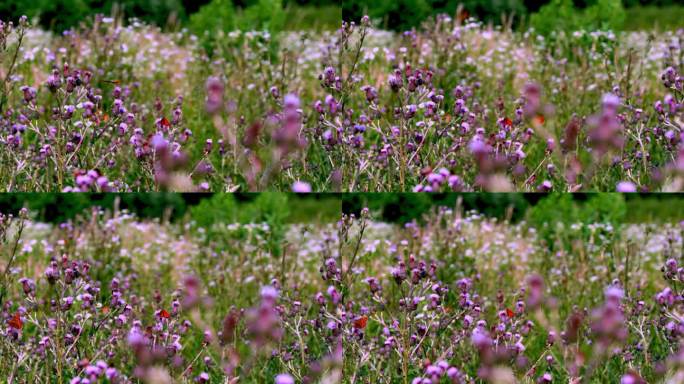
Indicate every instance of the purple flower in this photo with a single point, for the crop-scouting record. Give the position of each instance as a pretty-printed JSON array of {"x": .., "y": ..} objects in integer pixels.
[
  {"x": 203, "y": 377},
  {"x": 111, "y": 373},
  {"x": 291, "y": 102},
  {"x": 395, "y": 81},
  {"x": 284, "y": 378},
  {"x": 545, "y": 186},
  {"x": 626, "y": 187},
  {"x": 214, "y": 95},
  {"x": 610, "y": 102},
  {"x": 269, "y": 293},
  {"x": 301, "y": 187},
  {"x": 29, "y": 93},
  {"x": 54, "y": 81}
]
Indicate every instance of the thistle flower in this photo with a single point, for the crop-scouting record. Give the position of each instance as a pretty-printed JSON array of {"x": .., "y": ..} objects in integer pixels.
[
  {"x": 284, "y": 378},
  {"x": 301, "y": 187},
  {"x": 626, "y": 186}
]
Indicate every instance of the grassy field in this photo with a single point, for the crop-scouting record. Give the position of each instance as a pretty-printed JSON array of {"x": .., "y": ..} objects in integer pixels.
[
  {"x": 459, "y": 298},
  {"x": 455, "y": 106}
]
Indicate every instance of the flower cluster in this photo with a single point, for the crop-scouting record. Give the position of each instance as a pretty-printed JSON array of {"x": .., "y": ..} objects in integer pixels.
[{"x": 456, "y": 298}]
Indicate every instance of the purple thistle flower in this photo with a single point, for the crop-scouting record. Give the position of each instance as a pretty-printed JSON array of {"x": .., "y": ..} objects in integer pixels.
[
  {"x": 626, "y": 187},
  {"x": 301, "y": 187},
  {"x": 284, "y": 378}
]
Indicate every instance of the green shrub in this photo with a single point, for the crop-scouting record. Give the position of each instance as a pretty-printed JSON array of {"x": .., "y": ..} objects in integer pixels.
[
  {"x": 221, "y": 207},
  {"x": 605, "y": 14},
  {"x": 51, "y": 13},
  {"x": 60, "y": 15},
  {"x": 406, "y": 14},
  {"x": 561, "y": 15},
  {"x": 60, "y": 207},
  {"x": 218, "y": 15},
  {"x": 263, "y": 15},
  {"x": 604, "y": 208},
  {"x": 221, "y": 15},
  {"x": 549, "y": 212},
  {"x": 273, "y": 209},
  {"x": 557, "y": 15},
  {"x": 553, "y": 215},
  {"x": 270, "y": 208},
  {"x": 395, "y": 14}
]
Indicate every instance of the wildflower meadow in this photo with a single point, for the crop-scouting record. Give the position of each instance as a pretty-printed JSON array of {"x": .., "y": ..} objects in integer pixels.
[
  {"x": 341, "y": 192},
  {"x": 453, "y": 104},
  {"x": 451, "y": 297}
]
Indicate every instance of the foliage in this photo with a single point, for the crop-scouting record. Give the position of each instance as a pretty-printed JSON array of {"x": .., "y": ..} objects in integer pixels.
[
  {"x": 59, "y": 15},
  {"x": 405, "y": 14},
  {"x": 264, "y": 15},
  {"x": 221, "y": 15},
  {"x": 219, "y": 208},
  {"x": 406, "y": 207},
  {"x": 553, "y": 215},
  {"x": 58, "y": 208},
  {"x": 399, "y": 15},
  {"x": 561, "y": 15},
  {"x": 275, "y": 209},
  {"x": 489, "y": 11},
  {"x": 645, "y": 18},
  {"x": 218, "y": 15},
  {"x": 557, "y": 15},
  {"x": 654, "y": 208},
  {"x": 604, "y": 15},
  {"x": 323, "y": 18},
  {"x": 456, "y": 297}
]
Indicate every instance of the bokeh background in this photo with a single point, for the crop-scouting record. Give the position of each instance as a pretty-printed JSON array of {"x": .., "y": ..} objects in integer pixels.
[
  {"x": 542, "y": 14},
  {"x": 585, "y": 207},
  {"x": 197, "y": 15},
  {"x": 202, "y": 207},
  {"x": 207, "y": 208}
]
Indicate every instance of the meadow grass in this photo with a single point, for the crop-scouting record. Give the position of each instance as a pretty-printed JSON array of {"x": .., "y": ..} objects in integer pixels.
[
  {"x": 453, "y": 106},
  {"x": 109, "y": 296},
  {"x": 654, "y": 18}
]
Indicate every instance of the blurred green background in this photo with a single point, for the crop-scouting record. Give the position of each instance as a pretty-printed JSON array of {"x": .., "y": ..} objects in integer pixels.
[
  {"x": 534, "y": 207},
  {"x": 208, "y": 208},
  {"x": 541, "y": 14},
  {"x": 198, "y": 15},
  {"x": 205, "y": 208}
]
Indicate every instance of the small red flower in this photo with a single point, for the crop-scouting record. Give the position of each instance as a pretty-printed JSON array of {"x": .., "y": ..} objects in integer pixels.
[
  {"x": 509, "y": 313},
  {"x": 15, "y": 322},
  {"x": 361, "y": 322}
]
